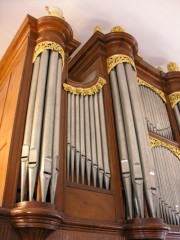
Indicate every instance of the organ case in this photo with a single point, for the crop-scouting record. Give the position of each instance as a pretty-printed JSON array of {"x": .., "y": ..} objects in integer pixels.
[{"x": 91, "y": 148}]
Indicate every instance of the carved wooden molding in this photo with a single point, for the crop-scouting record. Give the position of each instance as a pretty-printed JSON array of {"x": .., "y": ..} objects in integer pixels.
[
  {"x": 35, "y": 220},
  {"x": 147, "y": 228}
]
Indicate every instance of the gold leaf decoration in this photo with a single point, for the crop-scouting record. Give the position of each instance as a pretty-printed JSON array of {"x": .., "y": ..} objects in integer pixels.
[
  {"x": 40, "y": 47},
  {"x": 85, "y": 91},
  {"x": 174, "y": 98},
  {"x": 117, "y": 59},
  {"x": 172, "y": 66},
  {"x": 154, "y": 142},
  {"x": 159, "y": 92},
  {"x": 117, "y": 29}
]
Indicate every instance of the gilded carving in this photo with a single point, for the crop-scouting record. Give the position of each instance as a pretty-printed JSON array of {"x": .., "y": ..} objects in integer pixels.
[
  {"x": 172, "y": 66},
  {"x": 159, "y": 92},
  {"x": 156, "y": 143},
  {"x": 85, "y": 91},
  {"x": 117, "y": 29},
  {"x": 174, "y": 98},
  {"x": 40, "y": 47},
  {"x": 117, "y": 59}
]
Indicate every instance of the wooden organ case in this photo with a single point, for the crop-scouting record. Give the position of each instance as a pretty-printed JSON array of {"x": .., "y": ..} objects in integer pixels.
[{"x": 89, "y": 146}]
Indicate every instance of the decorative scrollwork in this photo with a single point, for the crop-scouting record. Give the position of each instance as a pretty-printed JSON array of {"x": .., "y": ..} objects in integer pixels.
[
  {"x": 174, "y": 98},
  {"x": 159, "y": 92},
  {"x": 172, "y": 66},
  {"x": 85, "y": 91},
  {"x": 40, "y": 47},
  {"x": 154, "y": 142},
  {"x": 117, "y": 59},
  {"x": 117, "y": 29}
]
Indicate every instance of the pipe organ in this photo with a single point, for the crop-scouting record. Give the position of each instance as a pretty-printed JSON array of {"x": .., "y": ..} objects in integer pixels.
[{"x": 89, "y": 145}]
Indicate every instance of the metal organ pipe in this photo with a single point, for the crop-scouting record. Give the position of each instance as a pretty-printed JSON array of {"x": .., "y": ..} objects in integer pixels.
[
  {"x": 122, "y": 142},
  {"x": 48, "y": 126},
  {"x": 169, "y": 198},
  {"x": 98, "y": 142},
  {"x": 91, "y": 157},
  {"x": 107, "y": 174},
  {"x": 82, "y": 139},
  {"x": 88, "y": 139},
  {"x": 37, "y": 123},
  {"x": 28, "y": 127},
  {"x": 142, "y": 138},
  {"x": 56, "y": 139},
  {"x": 156, "y": 113},
  {"x": 77, "y": 126},
  {"x": 136, "y": 171},
  {"x": 42, "y": 128},
  {"x": 177, "y": 114}
]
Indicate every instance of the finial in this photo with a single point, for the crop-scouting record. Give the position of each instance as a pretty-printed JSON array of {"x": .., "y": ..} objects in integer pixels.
[
  {"x": 117, "y": 29},
  {"x": 172, "y": 66},
  {"x": 97, "y": 29},
  {"x": 54, "y": 11},
  {"x": 160, "y": 69}
]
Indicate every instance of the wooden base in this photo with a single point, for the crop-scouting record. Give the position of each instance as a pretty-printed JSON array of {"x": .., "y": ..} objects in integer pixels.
[
  {"x": 40, "y": 221},
  {"x": 35, "y": 220},
  {"x": 147, "y": 228}
]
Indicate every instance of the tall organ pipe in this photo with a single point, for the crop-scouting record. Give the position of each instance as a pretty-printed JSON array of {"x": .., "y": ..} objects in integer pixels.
[
  {"x": 95, "y": 169},
  {"x": 77, "y": 130},
  {"x": 68, "y": 133},
  {"x": 177, "y": 114},
  {"x": 87, "y": 140},
  {"x": 82, "y": 138},
  {"x": 28, "y": 127},
  {"x": 131, "y": 138},
  {"x": 48, "y": 126},
  {"x": 122, "y": 142},
  {"x": 56, "y": 139},
  {"x": 142, "y": 138},
  {"x": 98, "y": 142},
  {"x": 37, "y": 123},
  {"x": 73, "y": 136},
  {"x": 107, "y": 174}
]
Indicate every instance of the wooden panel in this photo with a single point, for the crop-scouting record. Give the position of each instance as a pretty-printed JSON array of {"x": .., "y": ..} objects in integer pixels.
[
  {"x": 3, "y": 168},
  {"x": 9, "y": 95},
  {"x": 3, "y": 94},
  {"x": 84, "y": 235},
  {"x": 92, "y": 205}
]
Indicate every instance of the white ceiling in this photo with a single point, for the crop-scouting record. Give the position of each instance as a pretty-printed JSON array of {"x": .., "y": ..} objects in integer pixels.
[{"x": 154, "y": 23}]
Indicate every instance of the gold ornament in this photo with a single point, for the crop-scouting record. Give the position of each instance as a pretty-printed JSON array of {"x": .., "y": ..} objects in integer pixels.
[
  {"x": 40, "y": 47},
  {"x": 172, "y": 66},
  {"x": 154, "y": 142},
  {"x": 174, "y": 98},
  {"x": 85, "y": 91},
  {"x": 117, "y": 59},
  {"x": 159, "y": 92},
  {"x": 117, "y": 29}
]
